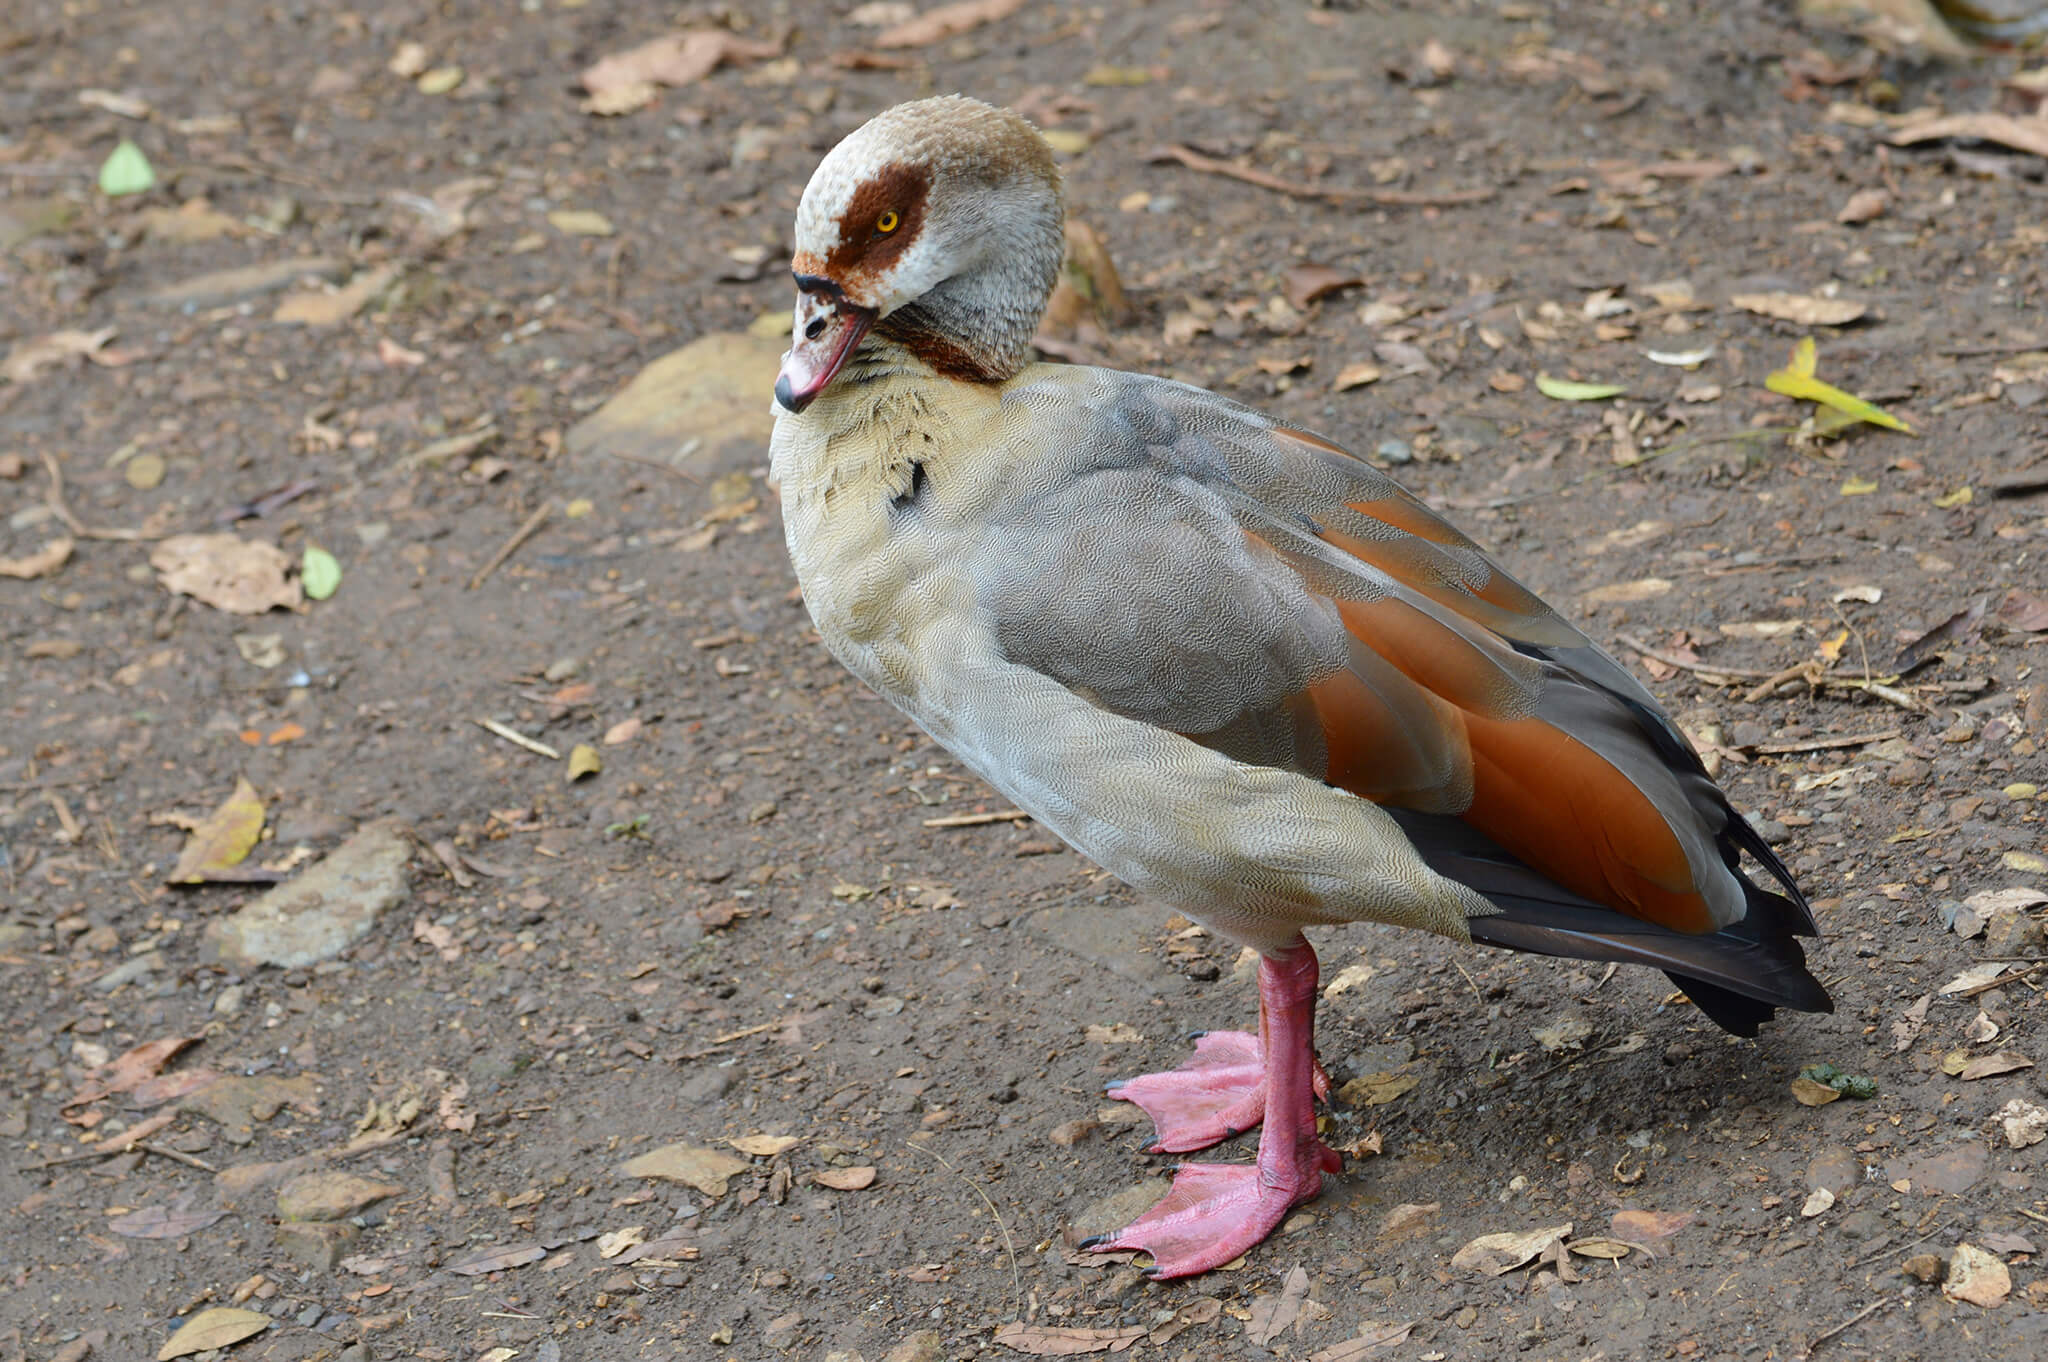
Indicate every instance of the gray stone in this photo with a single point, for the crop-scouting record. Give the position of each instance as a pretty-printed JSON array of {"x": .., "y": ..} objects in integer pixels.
[
  {"x": 324, "y": 911},
  {"x": 14, "y": 936},
  {"x": 330, "y": 1194},
  {"x": 318, "y": 1244},
  {"x": 127, "y": 972},
  {"x": 250, "y": 281},
  {"x": 709, "y": 404}
]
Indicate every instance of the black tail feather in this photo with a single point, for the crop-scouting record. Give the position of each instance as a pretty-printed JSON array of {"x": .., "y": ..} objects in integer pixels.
[{"x": 1737, "y": 976}]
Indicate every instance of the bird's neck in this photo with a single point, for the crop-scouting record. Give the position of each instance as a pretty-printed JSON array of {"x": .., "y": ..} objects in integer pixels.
[{"x": 976, "y": 326}]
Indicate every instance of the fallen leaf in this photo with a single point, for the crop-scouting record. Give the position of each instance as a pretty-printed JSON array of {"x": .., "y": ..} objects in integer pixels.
[
  {"x": 1613, "y": 1250},
  {"x": 331, "y": 307},
  {"x": 1808, "y": 1093},
  {"x": 1564, "y": 390},
  {"x": 612, "y": 1244},
  {"x": 164, "y": 1222},
  {"x": 1865, "y": 205},
  {"x": 319, "y": 572},
  {"x": 765, "y": 1146},
  {"x": 1371, "y": 1339},
  {"x": 241, "y": 576},
  {"x": 625, "y": 81},
  {"x": 2023, "y": 1122},
  {"x": 1304, "y": 283},
  {"x": 1042, "y": 1340},
  {"x": 707, "y": 1170},
  {"x": 1494, "y": 1254},
  {"x": 1617, "y": 593},
  {"x": 1973, "y": 977},
  {"x": 2021, "y": 134},
  {"x": 1990, "y": 1066},
  {"x": 492, "y": 1260},
  {"x": 622, "y": 732},
  {"x": 1377, "y": 1089},
  {"x": 130, "y": 1069},
  {"x": 1796, "y": 380},
  {"x": 580, "y": 222},
  {"x": 2023, "y": 612},
  {"x": 1818, "y": 1202},
  {"x": 1976, "y": 1277},
  {"x": 845, "y": 1179},
  {"x": 1272, "y": 1316},
  {"x": 1567, "y": 1033},
  {"x": 946, "y": 21},
  {"x": 126, "y": 171},
  {"x": 261, "y": 650},
  {"x": 584, "y": 761},
  {"x": 221, "y": 840},
  {"x": 1907, "y": 1028},
  {"x": 1802, "y": 308},
  {"x": 218, "y": 1327},
  {"x": 29, "y": 358},
  {"x": 1653, "y": 1228},
  {"x": 1356, "y": 375},
  {"x": 1118, "y": 1033},
  {"x": 41, "y": 563},
  {"x": 1680, "y": 359}
]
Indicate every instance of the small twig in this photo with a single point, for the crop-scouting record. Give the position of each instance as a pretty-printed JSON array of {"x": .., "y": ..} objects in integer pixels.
[
  {"x": 176, "y": 1156},
  {"x": 2001, "y": 981},
  {"x": 978, "y": 820},
  {"x": 1798, "y": 671},
  {"x": 1689, "y": 664},
  {"x": 1016, "y": 1277},
  {"x": 685, "y": 474},
  {"x": 518, "y": 739},
  {"x": 511, "y": 546},
  {"x": 1884, "y": 1303},
  {"x": 1772, "y": 749},
  {"x": 55, "y": 501},
  {"x": 1392, "y": 198}
]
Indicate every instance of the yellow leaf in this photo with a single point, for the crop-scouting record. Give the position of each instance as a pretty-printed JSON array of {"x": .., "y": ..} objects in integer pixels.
[
  {"x": 221, "y": 840},
  {"x": 1796, "y": 380},
  {"x": 1858, "y": 487},
  {"x": 584, "y": 761},
  {"x": 1948, "y": 501},
  {"x": 215, "y": 1328},
  {"x": 1831, "y": 649}
]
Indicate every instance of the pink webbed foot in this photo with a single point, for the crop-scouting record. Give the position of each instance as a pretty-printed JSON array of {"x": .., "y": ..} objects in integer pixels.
[
  {"x": 1219, "y": 1093},
  {"x": 1215, "y": 1212}
]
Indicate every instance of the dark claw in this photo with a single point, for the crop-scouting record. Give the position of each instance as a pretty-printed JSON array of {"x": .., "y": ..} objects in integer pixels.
[
  {"x": 1196, "y": 1035},
  {"x": 1091, "y": 1241},
  {"x": 1150, "y": 1274}
]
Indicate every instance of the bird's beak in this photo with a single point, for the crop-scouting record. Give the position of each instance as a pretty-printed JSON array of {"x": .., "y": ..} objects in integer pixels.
[{"x": 827, "y": 331}]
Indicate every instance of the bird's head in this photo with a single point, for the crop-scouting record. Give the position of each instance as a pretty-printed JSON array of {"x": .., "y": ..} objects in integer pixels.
[{"x": 935, "y": 226}]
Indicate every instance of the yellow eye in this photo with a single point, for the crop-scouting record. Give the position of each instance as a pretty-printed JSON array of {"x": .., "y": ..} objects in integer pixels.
[{"x": 888, "y": 222}]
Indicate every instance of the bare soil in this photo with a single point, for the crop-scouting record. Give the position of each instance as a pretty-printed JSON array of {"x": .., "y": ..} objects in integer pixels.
[{"x": 746, "y": 923}]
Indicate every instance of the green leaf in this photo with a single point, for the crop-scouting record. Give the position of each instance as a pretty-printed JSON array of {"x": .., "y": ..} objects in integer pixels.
[
  {"x": 319, "y": 573},
  {"x": 126, "y": 171},
  {"x": 1564, "y": 390}
]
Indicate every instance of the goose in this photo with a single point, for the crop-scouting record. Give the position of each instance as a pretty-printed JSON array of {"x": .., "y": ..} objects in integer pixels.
[{"x": 1235, "y": 665}]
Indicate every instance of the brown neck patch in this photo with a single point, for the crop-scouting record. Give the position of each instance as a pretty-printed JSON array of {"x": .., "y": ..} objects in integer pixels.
[
  {"x": 863, "y": 252},
  {"x": 940, "y": 347}
]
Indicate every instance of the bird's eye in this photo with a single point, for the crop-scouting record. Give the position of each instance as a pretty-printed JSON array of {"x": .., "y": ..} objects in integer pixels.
[{"x": 888, "y": 222}]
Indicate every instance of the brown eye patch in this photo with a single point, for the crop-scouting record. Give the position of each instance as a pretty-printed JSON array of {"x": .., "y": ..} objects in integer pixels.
[{"x": 864, "y": 248}]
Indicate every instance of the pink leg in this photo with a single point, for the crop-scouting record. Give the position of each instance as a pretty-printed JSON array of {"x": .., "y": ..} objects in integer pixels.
[{"x": 1217, "y": 1211}]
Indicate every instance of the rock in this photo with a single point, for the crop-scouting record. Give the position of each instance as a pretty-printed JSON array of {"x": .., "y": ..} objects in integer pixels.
[
  {"x": 1860, "y": 1225},
  {"x": 706, "y": 1085},
  {"x": 228, "y": 1002},
  {"x": 1953, "y": 1171},
  {"x": 331, "y": 1195},
  {"x": 1838, "y": 1170},
  {"x": 1923, "y": 1267},
  {"x": 2013, "y": 934},
  {"x": 325, "y": 910},
  {"x": 709, "y": 404},
  {"x": 923, "y": 1346},
  {"x": 127, "y": 972},
  {"x": 319, "y": 1245},
  {"x": 1118, "y": 1209},
  {"x": 1067, "y": 1134},
  {"x": 250, "y": 281}
]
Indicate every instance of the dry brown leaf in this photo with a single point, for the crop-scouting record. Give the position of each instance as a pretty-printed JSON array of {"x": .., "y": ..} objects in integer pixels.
[
  {"x": 215, "y": 1328},
  {"x": 2023, "y": 612},
  {"x": 41, "y": 563},
  {"x": 1652, "y": 1228},
  {"x": 1305, "y": 283},
  {"x": 1356, "y": 375},
  {"x": 242, "y": 576},
  {"x": 1495, "y": 1254},
  {"x": 221, "y": 840},
  {"x": 125, "y": 1072},
  {"x": 1809, "y": 1093},
  {"x": 1802, "y": 308},
  {"x": 1377, "y": 1089},
  {"x": 1370, "y": 1339},
  {"x": 765, "y": 1146},
  {"x": 30, "y": 358},
  {"x": 1118, "y": 1033},
  {"x": 1616, "y": 593},
  {"x": 1041, "y": 1340},
  {"x": 2021, "y": 134},
  {"x": 164, "y": 1222},
  {"x": 331, "y": 307},
  {"x": 1991, "y": 1066},
  {"x": 947, "y": 21},
  {"x": 497, "y": 1260},
  {"x": 1272, "y": 1316},
  {"x": 708, "y": 1170},
  {"x": 845, "y": 1179},
  {"x": 625, "y": 81},
  {"x": 1865, "y": 205}
]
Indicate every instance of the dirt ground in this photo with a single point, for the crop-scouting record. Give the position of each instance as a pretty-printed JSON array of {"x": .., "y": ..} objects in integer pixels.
[{"x": 746, "y": 924}]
